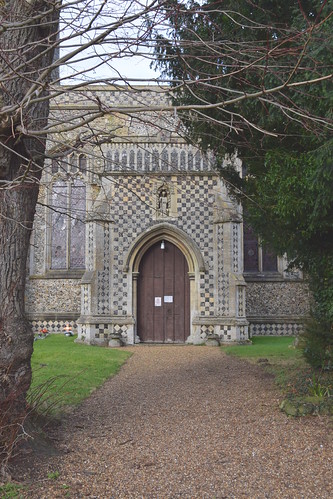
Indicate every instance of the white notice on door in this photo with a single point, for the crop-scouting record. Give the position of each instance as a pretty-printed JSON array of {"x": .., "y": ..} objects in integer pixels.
[
  {"x": 168, "y": 299},
  {"x": 158, "y": 301}
]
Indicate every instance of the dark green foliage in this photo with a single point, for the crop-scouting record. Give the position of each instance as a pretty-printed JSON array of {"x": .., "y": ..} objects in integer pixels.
[
  {"x": 296, "y": 197},
  {"x": 251, "y": 59},
  {"x": 317, "y": 344},
  {"x": 229, "y": 50}
]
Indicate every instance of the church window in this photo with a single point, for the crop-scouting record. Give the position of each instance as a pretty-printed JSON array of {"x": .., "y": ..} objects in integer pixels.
[
  {"x": 82, "y": 163},
  {"x": 109, "y": 164},
  {"x": 132, "y": 160},
  {"x": 139, "y": 160},
  {"x": 61, "y": 165},
  {"x": 197, "y": 159},
  {"x": 183, "y": 160},
  {"x": 69, "y": 164},
  {"x": 147, "y": 160},
  {"x": 124, "y": 160},
  {"x": 190, "y": 161},
  {"x": 116, "y": 164},
  {"x": 72, "y": 163},
  {"x": 54, "y": 167},
  {"x": 174, "y": 160},
  {"x": 155, "y": 161},
  {"x": 165, "y": 160},
  {"x": 68, "y": 206},
  {"x": 257, "y": 258}
]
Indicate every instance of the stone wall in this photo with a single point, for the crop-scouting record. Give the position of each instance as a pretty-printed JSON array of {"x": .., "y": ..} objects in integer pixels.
[
  {"x": 123, "y": 176},
  {"x": 133, "y": 213},
  {"x": 277, "y": 299},
  {"x": 53, "y": 296},
  {"x": 277, "y": 308}
]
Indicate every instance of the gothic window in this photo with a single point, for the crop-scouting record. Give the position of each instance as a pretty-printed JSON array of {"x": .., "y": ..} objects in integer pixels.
[
  {"x": 147, "y": 161},
  {"x": 155, "y": 161},
  {"x": 116, "y": 164},
  {"x": 61, "y": 165},
  {"x": 165, "y": 160},
  {"x": 257, "y": 258},
  {"x": 190, "y": 161},
  {"x": 109, "y": 164},
  {"x": 124, "y": 160},
  {"x": 68, "y": 206},
  {"x": 139, "y": 160},
  {"x": 183, "y": 160},
  {"x": 174, "y": 160},
  {"x": 197, "y": 159},
  {"x": 54, "y": 167},
  {"x": 132, "y": 160},
  {"x": 82, "y": 163},
  {"x": 70, "y": 164}
]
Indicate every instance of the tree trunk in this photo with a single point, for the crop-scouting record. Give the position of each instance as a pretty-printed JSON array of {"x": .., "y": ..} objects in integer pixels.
[
  {"x": 25, "y": 53},
  {"x": 17, "y": 206}
]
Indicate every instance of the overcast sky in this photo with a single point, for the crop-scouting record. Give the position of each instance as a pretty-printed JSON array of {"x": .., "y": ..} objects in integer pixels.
[{"x": 115, "y": 49}]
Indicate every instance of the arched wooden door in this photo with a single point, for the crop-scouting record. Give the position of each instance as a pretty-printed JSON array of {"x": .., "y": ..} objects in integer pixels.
[{"x": 163, "y": 295}]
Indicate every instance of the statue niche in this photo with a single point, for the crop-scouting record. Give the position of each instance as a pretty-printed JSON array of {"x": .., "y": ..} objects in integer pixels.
[{"x": 163, "y": 202}]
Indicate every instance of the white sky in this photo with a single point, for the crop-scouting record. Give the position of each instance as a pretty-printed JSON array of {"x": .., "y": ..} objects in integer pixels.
[{"x": 114, "y": 50}]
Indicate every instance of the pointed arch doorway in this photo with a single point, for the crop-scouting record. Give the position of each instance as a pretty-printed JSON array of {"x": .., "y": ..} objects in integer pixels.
[{"x": 163, "y": 304}]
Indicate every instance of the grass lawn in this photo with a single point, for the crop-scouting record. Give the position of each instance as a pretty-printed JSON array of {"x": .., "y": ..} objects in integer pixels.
[
  {"x": 278, "y": 356},
  {"x": 270, "y": 347},
  {"x": 64, "y": 372}
]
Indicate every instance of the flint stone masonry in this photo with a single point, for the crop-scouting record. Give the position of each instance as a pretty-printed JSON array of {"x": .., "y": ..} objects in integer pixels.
[
  {"x": 274, "y": 299},
  {"x": 139, "y": 157},
  {"x": 56, "y": 296}
]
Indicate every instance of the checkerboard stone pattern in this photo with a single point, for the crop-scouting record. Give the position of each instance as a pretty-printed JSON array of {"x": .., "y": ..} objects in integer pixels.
[
  {"x": 134, "y": 206},
  {"x": 195, "y": 217},
  {"x": 103, "y": 276},
  {"x": 236, "y": 249},
  {"x": 85, "y": 298},
  {"x": 275, "y": 329},
  {"x": 241, "y": 301},
  {"x": 132, "y": 214},
  {"x": 225, "y": 333},
  {"x": 222, "y": 276},
  {"x": 146, "y": 154},
  {"x": 104, "y": 331},
  {"x": 90, "y": 246},
  {"x": 53, "y": 326}
]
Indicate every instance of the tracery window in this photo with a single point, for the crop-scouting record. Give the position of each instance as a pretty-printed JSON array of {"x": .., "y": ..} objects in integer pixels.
[
  {"x": 68, "y": 213},
  {"x": 257, "y": 258}
]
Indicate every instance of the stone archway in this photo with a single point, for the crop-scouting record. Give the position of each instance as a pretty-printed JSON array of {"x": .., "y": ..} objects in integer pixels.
[
  {"x": 163, "y": 311},
  {"x": 186, "y": 246}
]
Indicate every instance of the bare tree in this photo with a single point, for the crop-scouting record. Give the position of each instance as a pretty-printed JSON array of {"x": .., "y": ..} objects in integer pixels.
[
  {"x": 89, "y": 37},
  {"x": 27, "y": 46},
  {"x": 31, "y": 33}
]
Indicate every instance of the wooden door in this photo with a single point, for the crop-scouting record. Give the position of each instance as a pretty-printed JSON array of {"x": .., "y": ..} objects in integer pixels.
[{"x": 163, "y": 295}]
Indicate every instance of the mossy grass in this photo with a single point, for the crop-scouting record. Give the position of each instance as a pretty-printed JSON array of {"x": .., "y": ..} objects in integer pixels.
[
  {"x": 65, "y": 372},
  {"x": 11, "y": 490},
  {"x": 270, "y": 347},
  {"x": 279, "y": 356}
]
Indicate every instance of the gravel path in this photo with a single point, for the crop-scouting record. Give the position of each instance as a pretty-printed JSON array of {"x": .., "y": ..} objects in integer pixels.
[{"x": 189, "y": 422}]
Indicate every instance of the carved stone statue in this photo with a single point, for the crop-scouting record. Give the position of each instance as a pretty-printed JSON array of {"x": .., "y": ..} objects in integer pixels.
[{"x": 163, "y": 202}]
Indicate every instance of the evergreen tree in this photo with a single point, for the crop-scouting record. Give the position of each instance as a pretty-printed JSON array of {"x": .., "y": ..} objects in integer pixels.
[{"x": 249, "y": 61}]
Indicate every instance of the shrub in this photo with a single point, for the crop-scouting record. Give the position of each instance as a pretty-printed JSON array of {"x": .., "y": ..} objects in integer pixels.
[{"x": 317, "y": 343}]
